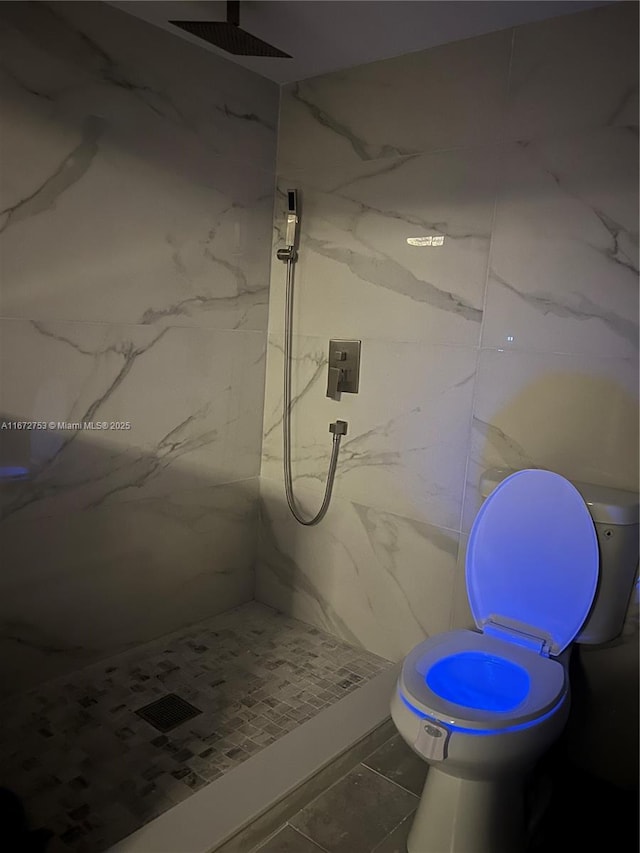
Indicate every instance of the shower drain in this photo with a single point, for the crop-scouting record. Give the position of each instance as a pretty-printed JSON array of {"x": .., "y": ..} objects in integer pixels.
[{"x": 167, "y": 713}]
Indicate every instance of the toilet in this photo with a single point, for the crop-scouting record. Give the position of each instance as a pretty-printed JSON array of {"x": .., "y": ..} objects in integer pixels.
[{"x": 548, "y": 563}]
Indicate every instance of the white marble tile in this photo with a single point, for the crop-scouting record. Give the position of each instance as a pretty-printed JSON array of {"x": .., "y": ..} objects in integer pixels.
[
  {"x": 94, "y": 582},
  {"x": 356, "y": 273},
  {"x": 119, "y": 208},
  {"x": 193, "y": 398},
  {"x": 564, "y": 258},
  {"x": 373, "y": 578},
  {"x": 408, "y": 425},
  {"x": 461, "y": 615},
  {"x": 575, "y": 72},
  {"x": 575, "y": 415},
  {"x": 66, "y": 51},
  {"x": 446, "y": 97}
]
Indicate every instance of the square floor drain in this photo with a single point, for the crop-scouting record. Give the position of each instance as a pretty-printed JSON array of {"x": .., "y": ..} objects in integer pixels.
[{"x": 167, "y": 713}]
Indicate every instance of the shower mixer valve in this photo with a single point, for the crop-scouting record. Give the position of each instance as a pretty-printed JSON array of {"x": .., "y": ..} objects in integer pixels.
[{"x": 344, "y": 368}]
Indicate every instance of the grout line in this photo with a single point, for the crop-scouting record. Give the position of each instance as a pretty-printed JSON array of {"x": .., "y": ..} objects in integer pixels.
[
  {"x": 262, "y": 844},
  {"x": 333, "y": 784},
  {"x": 342, "y": 778},
  {"x": 404, "y": 819},
  {"x": 393, "y": 782},
  {"x": 127, "y": 324},
  {"x": 308, "y": 837},
  {"x": 474, "y": 396}
]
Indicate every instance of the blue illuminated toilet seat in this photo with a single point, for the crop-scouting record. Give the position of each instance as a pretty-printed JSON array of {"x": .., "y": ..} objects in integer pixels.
[
  {"x": 532, "y": 572},
  {"x": 547, "y": 681},
  {"x": 532, "y": 560}
]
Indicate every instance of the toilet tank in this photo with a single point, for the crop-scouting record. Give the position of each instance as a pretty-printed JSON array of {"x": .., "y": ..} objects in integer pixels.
[{"x": 615, "y": 517}]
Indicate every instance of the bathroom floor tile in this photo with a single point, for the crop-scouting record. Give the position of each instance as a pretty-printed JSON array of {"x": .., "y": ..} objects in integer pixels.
[
  {"x": 397, "y": 762},
  {"x": 396, "y": 842},
  {"x": 289, "y": 840},
  {"x": 86, "y": 766},
  {"x": 356, "y": 813}
]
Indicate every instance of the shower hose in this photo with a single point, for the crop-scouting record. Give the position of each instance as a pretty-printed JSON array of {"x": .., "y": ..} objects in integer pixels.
[{"x": 339, "y": 428}]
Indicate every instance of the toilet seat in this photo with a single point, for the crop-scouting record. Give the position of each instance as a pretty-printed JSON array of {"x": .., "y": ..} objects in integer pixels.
[
  {"x": 548, "y": 682},
  {"x": 532, "y": 561},
  {"x": 532, "y": 573}
]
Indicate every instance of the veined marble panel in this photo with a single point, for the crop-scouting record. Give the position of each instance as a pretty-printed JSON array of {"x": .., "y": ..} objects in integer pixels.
[
  {"x": 118, "y": 205},
  {"x": 576, "y": 415},
  {"x": 356, "y": 275},
  {"x": 405, "y": 451},
  {"x": 461, "y": 615},
  {"x": 64, "y": 52},
  {"x": 192, "y": 397},
  {"x": 80, "y": 586},
  {"x": 575, "y": 72},
  {"x": 373, "y": 578},
  {"x": 445, "y": 97},
  {"x": 564, "y": 259}
]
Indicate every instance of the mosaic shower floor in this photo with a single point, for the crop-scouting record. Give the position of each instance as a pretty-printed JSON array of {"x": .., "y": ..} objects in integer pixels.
[{"x": 89, "y": 769}]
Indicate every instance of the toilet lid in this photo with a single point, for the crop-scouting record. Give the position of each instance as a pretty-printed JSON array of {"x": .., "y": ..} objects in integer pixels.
[{"x": 532, "y": 558}]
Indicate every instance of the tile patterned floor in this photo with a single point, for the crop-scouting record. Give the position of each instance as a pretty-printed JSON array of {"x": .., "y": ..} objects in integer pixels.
[
  {"x": 369, "y": 810},
  {"x": 91, "y": 770}
]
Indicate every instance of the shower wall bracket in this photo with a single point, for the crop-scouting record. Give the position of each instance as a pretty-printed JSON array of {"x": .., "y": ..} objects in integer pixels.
[{"x": 344, "y": 368}]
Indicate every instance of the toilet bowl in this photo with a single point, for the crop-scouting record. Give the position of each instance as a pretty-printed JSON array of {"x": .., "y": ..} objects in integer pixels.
[{"x": 482, "y": 706}]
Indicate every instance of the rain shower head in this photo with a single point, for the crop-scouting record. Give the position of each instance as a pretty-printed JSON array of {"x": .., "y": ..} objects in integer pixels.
[{"x": 228, "y": 35}]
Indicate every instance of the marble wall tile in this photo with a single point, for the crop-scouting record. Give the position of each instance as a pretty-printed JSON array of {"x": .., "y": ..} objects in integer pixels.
[
  {"x": 572, "y": 414},
  {"x": 371, "y": 577},
  {"x": 80, "y": 586},
  {"x": 191, "y": 396},
  {"x": 67, "y": 52},
  {"x": 564, "y": 261},
  {"x": 357, "y": 273},
  {"x": 548, "y": 173},
  {"x": 408, "y": 425},
  {"x": 461, "y": 615},
  {"x": 120, "y": 205},
  {"x": 575, "y": 72},
  {"x": 446, "y": 97},
  {"x": 137, "y": 187}
]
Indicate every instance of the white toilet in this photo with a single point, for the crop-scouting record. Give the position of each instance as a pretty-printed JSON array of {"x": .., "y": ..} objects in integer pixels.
[{"x": 481, "y": 707}]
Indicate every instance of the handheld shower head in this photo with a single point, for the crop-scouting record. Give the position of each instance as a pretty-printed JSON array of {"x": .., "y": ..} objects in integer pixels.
[
  {"x": 289, "y": 253},
  {"x": 292, "y": 218}
]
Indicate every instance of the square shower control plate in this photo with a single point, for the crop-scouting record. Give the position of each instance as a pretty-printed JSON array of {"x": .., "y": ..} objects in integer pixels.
[{"x": 345, "y": 356}]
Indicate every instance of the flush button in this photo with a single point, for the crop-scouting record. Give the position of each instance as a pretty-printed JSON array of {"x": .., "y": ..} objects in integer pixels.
[{"x": 432, "y": 741}]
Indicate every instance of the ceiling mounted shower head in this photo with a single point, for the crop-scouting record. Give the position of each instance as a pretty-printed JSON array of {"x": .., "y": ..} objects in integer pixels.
[{"x": 229, "y": 36}]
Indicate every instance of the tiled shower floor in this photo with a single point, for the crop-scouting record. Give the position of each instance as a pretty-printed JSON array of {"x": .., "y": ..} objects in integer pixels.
[{"x": 88, "y": 768}]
